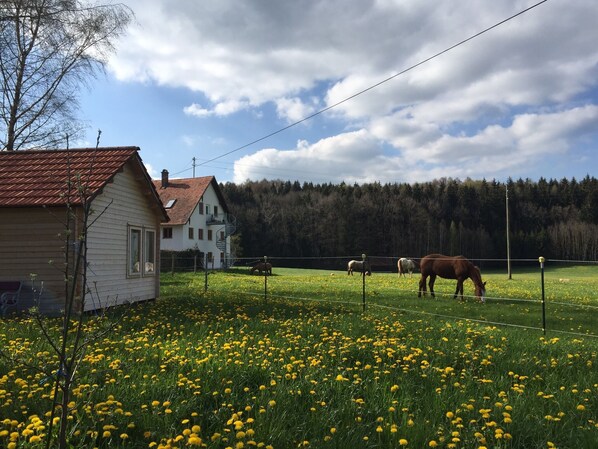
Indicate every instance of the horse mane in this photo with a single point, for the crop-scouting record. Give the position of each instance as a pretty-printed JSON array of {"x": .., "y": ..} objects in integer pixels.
[{"x": 476, "y": 275}]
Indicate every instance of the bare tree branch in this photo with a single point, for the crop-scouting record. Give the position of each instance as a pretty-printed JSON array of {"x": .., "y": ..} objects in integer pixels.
[{"x": 48, "y": 49}]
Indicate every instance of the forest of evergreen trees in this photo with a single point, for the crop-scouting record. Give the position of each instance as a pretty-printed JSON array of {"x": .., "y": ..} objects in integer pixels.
[{"x": 555, "y": 219}]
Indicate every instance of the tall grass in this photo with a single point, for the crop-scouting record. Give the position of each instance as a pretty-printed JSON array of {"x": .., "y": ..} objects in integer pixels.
[{"x": 305, "y": 367}]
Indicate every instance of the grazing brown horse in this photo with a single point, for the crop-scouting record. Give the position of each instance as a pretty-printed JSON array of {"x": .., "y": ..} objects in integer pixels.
[
  {"x": 457, "y": 267},
  {"x": 261, "y": 267}
]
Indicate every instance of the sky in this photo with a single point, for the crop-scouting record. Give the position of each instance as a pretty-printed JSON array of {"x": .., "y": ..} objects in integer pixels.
[{"x": 231, "y": 84}]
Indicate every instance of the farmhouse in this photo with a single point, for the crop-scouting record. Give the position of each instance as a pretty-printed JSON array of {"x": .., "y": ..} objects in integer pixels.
[
  {"x": 39, "y": 190},
  {"x": 198, "y": 218}
]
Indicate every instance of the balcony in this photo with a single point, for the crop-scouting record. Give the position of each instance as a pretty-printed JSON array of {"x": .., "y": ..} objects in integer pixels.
[{"x": 215, "y": 220}]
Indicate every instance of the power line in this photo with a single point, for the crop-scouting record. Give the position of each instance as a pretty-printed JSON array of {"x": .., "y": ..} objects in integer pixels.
[{"x": 321, "y": 111}]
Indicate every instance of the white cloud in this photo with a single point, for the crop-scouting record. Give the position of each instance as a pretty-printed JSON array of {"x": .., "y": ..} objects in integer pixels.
[
  {"x": 490, "y": 106},
  {"x": 294, "y": 109},
  {"x": 197, "y": 111},
  {"x": 358, "y": 156}
]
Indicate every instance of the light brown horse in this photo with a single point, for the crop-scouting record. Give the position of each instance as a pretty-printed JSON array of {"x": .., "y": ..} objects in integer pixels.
[
  {"x": 359, "y": 266},
  {"x": 405, "y": 266},
  {"x": 447, "y": 267}
]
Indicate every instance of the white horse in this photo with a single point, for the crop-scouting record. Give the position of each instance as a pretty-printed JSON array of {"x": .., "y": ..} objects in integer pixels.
[
  {"x": 405, "y": 266},
  {"x": 359, "y": 266}
]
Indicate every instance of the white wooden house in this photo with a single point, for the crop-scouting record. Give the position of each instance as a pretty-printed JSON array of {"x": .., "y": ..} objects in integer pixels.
[
  {"x": 198, "y": 218},
  {"x": 122, "y": 237}
]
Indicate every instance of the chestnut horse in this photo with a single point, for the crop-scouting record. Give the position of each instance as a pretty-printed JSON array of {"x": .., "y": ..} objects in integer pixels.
[
  {"x": 457, "y": 267},
  {"x": 261, "y": 267}
]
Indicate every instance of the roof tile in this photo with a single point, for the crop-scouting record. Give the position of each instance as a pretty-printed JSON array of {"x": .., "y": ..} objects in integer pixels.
[{"x": 39, "y": 177}]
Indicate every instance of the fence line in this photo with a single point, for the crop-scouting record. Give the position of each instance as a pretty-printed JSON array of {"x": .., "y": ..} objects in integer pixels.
[
  {"x": 420, "y": 312},
  {"x": 288, "y": 282}
]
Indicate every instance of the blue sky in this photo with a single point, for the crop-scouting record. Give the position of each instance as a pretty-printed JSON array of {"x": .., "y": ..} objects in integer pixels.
[{"x": 200, "y": 79}]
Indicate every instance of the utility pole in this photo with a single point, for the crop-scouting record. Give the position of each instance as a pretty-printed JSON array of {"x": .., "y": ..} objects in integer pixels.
[
  {"x": 508, "y": 244},
  {"x": 193, "y": 167}
]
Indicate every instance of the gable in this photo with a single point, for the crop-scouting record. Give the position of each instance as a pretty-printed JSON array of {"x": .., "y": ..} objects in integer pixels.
[{"x": 184, "y": 196}]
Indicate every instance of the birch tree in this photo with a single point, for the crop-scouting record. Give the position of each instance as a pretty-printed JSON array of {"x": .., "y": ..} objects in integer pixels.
[{"x": 49, "y": 49}]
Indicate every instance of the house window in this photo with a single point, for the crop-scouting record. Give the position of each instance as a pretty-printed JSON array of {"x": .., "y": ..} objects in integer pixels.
[
  {"x": 200, "y": 208},
  {"x": 222, "y": 259},
  {"x": 200, "y": 234},
  {"x": 134, "y": 267},
  {"x": 215, "y": 211},
  {"x": 141, "y": 252},
  {"x": 149, "y": 252},
  {"x": 207, "y": 209},
  {"x": 222, "y": 235},
  {"x": 191, "y": 233},
  {"x": 210, "y": 257},
  {"x": 209, "y": 234},
  {"x": 166, "y": 233}
]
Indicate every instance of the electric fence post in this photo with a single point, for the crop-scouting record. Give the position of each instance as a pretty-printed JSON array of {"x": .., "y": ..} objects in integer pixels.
[
  {"x": 205, "y": 270},
  {"x": 542, "y": 260},
  {"x": 363, "y": 278},
  {"x": 265, "y": 279}
]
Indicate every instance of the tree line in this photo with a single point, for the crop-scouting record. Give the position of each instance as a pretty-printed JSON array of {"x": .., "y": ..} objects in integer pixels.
[{"x": 557, "y": 219}]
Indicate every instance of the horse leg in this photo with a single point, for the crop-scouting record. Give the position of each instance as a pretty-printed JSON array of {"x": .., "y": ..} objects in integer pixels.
[
  {"x": 432, "y": 280},
  {"x": 422, "y": 286},
  {"x": 459, "y": 289}
]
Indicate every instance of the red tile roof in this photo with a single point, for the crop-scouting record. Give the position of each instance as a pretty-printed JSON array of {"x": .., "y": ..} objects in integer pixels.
[
  {"x": 39, "y": 177},
  {"x": 187, "y": 192}
]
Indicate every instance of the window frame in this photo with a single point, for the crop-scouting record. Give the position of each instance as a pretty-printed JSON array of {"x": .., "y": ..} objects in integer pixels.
[
  {"x": 139, "y": 254},
  {"x": 151, "y": 250},
  {"x": 132, "y": 270}
]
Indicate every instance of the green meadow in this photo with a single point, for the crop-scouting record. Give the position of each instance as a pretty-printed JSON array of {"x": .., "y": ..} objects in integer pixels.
[{"x": 294, "y": 361}]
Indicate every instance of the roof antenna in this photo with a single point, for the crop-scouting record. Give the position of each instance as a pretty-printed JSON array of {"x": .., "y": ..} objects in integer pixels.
[{"x": 98, "y": 139}]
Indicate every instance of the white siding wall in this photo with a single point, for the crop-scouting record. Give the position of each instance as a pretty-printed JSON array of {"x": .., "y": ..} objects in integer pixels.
[
  {"x": 125, "y": 206},
  {"x": 180, "y": 240}
]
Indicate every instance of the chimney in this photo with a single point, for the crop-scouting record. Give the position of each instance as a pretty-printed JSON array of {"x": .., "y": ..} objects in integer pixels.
[{"x": 164, "y": 178}]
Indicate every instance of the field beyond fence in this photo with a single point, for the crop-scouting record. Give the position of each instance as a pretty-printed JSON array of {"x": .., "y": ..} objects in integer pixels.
[{"x": 560, "y": 297}]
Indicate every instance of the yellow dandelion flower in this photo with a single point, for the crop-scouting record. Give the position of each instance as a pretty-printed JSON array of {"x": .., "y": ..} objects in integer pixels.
[
  {"x": 194, "y": 441},
  {"x": 403, "y": 442},
  {"x": 433, "y": 443}
]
